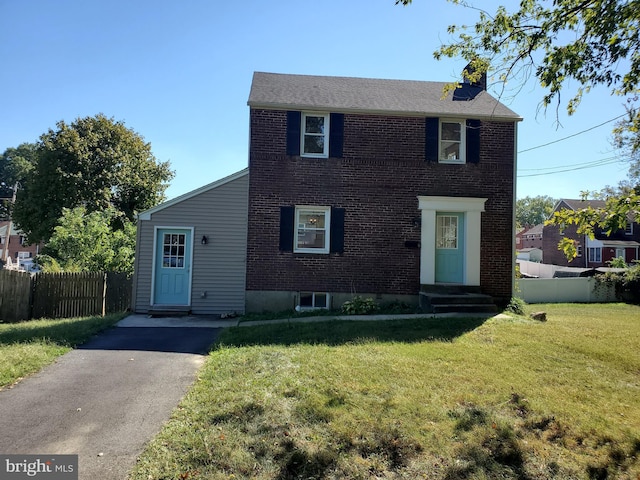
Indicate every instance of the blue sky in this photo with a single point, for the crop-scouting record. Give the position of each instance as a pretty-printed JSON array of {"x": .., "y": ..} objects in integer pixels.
[{"x": 179, "y": 74}]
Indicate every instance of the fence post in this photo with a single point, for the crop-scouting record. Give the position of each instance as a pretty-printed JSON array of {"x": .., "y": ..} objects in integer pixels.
[{"x": 104, "y": 294}]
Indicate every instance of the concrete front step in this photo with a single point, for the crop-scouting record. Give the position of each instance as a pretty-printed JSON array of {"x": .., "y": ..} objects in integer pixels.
[
  {"x": 463, "y": 302},
  {"x": 466, "y": 308},
  {"x": 169, "y": 311}
]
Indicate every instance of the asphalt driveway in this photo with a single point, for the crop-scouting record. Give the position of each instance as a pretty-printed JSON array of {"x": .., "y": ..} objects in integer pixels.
[{"x": 105, "y": 400}]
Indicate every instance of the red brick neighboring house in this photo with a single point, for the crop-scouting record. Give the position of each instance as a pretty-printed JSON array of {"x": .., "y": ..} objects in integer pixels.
[
  {"x": 376, "y": 187},
  {"x": 14, "y": 247},
  {"x": 531, "y": 237},
  {"x": 591, "y": 253}
]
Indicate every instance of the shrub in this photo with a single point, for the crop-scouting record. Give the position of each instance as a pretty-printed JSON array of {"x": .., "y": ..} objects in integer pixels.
[
  {"x": 360, "y": 306},
  {"x": 627, "y": 283},
  {"x": 516, "y": 305}
]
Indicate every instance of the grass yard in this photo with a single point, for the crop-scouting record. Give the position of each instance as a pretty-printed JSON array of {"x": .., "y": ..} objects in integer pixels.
[
  {"x": 507, "y": 398},
  {"x": 26, "y": 347}
]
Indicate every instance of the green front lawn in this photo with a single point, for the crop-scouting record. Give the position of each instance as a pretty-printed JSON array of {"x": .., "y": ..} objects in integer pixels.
[
  {"x": 436, "y": 399},
  {"x": 26, "y": 347}
]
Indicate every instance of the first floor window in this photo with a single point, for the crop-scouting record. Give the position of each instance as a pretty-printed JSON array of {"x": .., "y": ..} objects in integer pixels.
[
  {"x": 312, "y": 229},
  {"x": 315, "y": 130},
  {"x": 595, "y": 254}
]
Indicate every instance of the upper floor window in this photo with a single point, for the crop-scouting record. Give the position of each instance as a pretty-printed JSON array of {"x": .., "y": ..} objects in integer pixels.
[
  {"x": 628, "y": 229},
  {"x": 315, "y": 135},
  {"x": 452, "y": 141}
]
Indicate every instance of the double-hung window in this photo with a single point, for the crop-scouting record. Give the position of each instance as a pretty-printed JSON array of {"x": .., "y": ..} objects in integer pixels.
[
  {"x": 452, "y": 141},
  {"x": 595, "y": 254},
  {"x": 312, "y": 229},
  {"x": 315, "y": 135}
]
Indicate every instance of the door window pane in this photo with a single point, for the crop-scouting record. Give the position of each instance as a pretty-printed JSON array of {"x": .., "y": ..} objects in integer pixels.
[
  {"x": 447, "y": 232},
  {"x": 173, "y": 250}
]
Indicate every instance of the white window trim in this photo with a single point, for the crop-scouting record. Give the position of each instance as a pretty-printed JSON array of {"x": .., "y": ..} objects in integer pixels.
[
  {"x": 313, "y": 301},
  {"x": 628, "y": 229},
  {"x": 325, "y": 153},
  {"x": 327, "y": 227},
  {"x": 463, "y": 141},
  {"x": 594, "y": 250}
]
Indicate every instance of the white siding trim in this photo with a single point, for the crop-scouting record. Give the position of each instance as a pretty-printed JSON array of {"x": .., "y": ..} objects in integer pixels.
[
  {"x": 472, "y": 208},
  {"x": 154, "y": 258}
]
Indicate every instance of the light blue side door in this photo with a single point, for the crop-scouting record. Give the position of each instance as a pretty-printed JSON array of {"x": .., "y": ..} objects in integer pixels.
[
  {"x": 172, "y": 266},
  {"x": 449, "y": 248}
]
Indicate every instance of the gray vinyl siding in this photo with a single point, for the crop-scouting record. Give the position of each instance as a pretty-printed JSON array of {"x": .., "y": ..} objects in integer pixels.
[{"x": 218, "y": 268}]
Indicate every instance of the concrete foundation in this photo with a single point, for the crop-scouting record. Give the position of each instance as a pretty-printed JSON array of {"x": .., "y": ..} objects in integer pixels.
[{"x": 275, "y": 301}]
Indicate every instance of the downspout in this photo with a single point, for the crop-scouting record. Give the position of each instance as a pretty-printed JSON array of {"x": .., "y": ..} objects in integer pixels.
[{"x": 513, "y": 212}]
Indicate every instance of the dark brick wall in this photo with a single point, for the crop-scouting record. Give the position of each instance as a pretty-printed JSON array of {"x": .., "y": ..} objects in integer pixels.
[
  {"x": 377, "y": 182},
  {"x": 552, "y": 256}
]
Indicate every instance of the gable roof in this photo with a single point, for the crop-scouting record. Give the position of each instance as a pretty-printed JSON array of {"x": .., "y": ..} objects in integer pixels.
[
  {"x": 579, "y": 204},
  {"x": 368, "y": 95},
  {"x": 535, "y": 230},
  {"x": 146, "y": 215}
]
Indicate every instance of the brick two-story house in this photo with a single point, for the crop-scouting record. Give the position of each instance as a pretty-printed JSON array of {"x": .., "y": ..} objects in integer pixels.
[
  {"x": 376, "y": 187},
  {"x": 355, "y": 186},
  {"x": 592, "y": 253}
]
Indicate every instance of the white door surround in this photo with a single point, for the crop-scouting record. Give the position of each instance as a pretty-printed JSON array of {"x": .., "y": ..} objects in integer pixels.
[{"x": 472, "y": 209}]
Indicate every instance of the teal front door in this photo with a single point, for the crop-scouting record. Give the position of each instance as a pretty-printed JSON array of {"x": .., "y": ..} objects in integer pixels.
[
  {"x": 449, "y": 248},
  {"x": 172, "y": 278}
]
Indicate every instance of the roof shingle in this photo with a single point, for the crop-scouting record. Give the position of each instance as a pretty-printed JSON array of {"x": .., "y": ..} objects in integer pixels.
[{"x": 367, "y": 95}]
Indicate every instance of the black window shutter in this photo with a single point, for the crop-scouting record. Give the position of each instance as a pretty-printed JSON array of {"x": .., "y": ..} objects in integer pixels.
[
  {"x": 287, "y": 232},
  {"x": 431, "y": 142},
  {"x": 336, "y": 134},
  {"x": 336, "y": 242},
  {"x": 294, "y": 120},
  {"x": 473, "y": 141}
]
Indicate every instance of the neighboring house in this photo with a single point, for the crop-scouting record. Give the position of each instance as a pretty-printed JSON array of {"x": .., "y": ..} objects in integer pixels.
[
  {"x": 15, "y": 253},
  {"x": 594, "y": 253},
  {"x": 532, "y": 237},
  {"x": 355, "y": 186},
  {"x": 191, "y": 251},
  {"x": 376, "y": 187}
]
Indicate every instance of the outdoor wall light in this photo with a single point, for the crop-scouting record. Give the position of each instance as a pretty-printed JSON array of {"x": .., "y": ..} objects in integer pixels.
[{"x": 204, "y": 240}]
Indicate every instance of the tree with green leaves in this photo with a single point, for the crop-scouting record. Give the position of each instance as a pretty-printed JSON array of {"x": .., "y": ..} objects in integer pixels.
[
  {"x": 533, "y": 210},
  {"x": 562, "y": 43},
  {"x": 15, "y": 165},
  {"x": 95, "y": 162},
  {"x": 100, "y": 241}
]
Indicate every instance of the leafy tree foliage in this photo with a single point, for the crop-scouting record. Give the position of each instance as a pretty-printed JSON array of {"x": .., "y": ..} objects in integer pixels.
[
  {"x": 533, "y": 210},
  {"x": 15, "y": 166},
  {"x": 88, "y": 242},
  {"x": 561, "y": 43},
  {"x": 95, "y": 162}
]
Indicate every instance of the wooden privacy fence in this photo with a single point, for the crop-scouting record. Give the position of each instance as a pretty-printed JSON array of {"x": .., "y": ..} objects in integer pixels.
[{"x": 62, "y": 295}]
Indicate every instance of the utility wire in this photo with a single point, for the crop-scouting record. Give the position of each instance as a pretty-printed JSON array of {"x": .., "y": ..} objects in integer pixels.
[
  {"x": 573, "y": 135},
  {"x": 604, "y": 162},
  {"x": 593, "y": 163}
]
